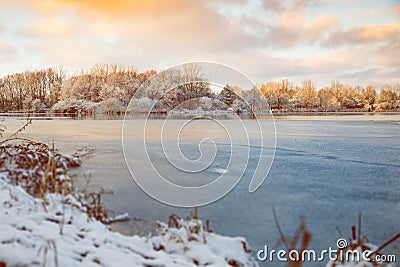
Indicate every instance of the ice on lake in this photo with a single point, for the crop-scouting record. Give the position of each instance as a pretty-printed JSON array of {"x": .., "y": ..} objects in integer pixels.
[{"x": 326, "y": 170}]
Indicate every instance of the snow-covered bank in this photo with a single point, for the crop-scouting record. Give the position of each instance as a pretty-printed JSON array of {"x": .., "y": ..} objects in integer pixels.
[{"x": 59, "y": 233}]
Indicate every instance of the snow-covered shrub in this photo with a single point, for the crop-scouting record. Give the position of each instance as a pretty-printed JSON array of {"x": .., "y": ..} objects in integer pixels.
[
  {"x": 110, "y": 106},
  {"x": 60, "y": 107},
  {"x": 141, "y": 105},
  {"x": 239, "y": 105},
  {"x": 37, "y": 167},
  {"x": 74, "y": 106},
  {"x": 384, "y": 106},
  {"x": 38, "y": 106},
  {"x": 196, "y": 242},
  {"x": 57, "y": 232},
  {"x": 219, "y": 105},
  {"x": 205, "y": 103},
  {"x": 111, "y": 91},
  {"x": 87, "y": 106}
]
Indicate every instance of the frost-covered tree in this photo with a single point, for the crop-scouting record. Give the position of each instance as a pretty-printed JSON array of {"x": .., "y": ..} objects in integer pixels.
[
  {"x": 388, "y": 99},
  {"x": 229, "y": 94},
  {"x": 369, "y": 96},
  {"x": 277, "y": 94},
  {"x": 254, "y": 100},
  {"x": 38, "y": 106},
  {"x": 110, "y": 106},
  {"x": 175, "y": 87},
  {"x": 141, "y": 105},
  {"x": 103, "y": 82},
  {"x": 205, "y": 103},
  {"x": 158, "y": 86},
  {"x": 218, "y": 105},
  {"x": 191, "y": 84},
  {"x": 239, "y": 106}
]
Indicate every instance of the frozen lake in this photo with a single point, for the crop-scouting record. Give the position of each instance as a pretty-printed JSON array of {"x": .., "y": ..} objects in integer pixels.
[{"x": 326, "y": 169}]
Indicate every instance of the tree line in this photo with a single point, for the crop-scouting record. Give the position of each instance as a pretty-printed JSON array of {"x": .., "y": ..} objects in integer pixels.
[
  {"x": 285, "y": 96},
  {"x": 111, "y": 87}
]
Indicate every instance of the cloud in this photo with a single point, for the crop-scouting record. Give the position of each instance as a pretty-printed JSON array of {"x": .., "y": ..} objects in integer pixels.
[
  {"x": 375, "y": 76},
  {"x": 285, "y": 29},
  {"x": 294, "y": 30},
  {"x": 151, "y": 27},
  {"x": 315, "y": 29},
  {"x": 387, "y": 54},
  {"x": 51, "y": 26},
  {"x": 273, "y": 5},
  {"x": 2, "y": 28},
  {"x": 7, "y": 51},
  {"x": 365, "y": 34},
  {"x": 370, "y": 65},
  {"x": 179, "y": 23},
  {"x": 278, "y": 5},
  {"x": 116, "y": 6},
  {"x": 267, "y": 40},
  {"x": 291, "y": 25},
  {"x": 396, "y": 9}
]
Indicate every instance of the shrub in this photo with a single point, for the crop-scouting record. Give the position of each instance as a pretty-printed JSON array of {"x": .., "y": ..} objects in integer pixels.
[{"x": 110, "y": 106}]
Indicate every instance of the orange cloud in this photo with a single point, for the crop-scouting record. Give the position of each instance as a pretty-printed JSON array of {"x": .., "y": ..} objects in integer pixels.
[
  {"x": 115, "y": 7},
  {"x": 396, "y": 9},
  {"x": 378, "y": 32},
  {"x": 49, "y": 27},
  {"x": 320, "y": 25},
  {"x": 153, "y": 33},
  {"x": 369, "y": 33},
  {"x": 180, "y": 24},
  {"x": 150, "y": 33}
]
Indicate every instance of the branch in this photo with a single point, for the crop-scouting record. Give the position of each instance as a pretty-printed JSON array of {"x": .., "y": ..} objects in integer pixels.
[{"x": 279, "y": 229}]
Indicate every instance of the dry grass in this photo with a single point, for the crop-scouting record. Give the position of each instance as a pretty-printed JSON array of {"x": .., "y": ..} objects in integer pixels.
[
  {"x": 356, "y": 241},
  {"x": 41, "y": 170},
  {"x": 302, "y": 239},
  {"x": 299, "y": 242},
  {"x": 37, "y": 167},
  {"x": 195, "y": 228},
  {"x": 195, "y": 231}
]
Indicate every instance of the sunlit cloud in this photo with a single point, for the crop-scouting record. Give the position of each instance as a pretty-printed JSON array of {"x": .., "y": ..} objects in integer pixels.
[
  {"x": 366, "y": 34},
  {"x": 116, "y": 7},
  {"x": 268, "y": 40},
  {"x": 396, "y": 9},
  {"x": 49, "y": 27},
  {"x": 315, "y": 29},
  {"x": 7, "y": 51}
]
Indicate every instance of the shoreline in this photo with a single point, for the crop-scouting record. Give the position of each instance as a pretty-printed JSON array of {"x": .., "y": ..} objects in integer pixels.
[{"x": 52, "y": 115}]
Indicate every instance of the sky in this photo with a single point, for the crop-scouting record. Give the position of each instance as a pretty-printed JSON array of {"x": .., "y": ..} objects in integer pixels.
[{"x": 354, "y": 41}]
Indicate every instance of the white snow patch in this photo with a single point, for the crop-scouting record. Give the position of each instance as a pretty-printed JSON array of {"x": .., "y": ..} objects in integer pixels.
[
  {"x": 220, "y": 170},
  {"x": 59, "y": 233}
]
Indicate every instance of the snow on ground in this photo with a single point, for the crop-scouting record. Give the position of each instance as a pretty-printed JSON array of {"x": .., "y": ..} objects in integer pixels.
[{"x": 59, "y": 233}]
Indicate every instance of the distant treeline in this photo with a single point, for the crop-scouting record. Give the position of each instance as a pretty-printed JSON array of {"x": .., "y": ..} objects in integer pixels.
[
  {"x": 336, "y": 97},
  {"x": 109, "y": 88}
]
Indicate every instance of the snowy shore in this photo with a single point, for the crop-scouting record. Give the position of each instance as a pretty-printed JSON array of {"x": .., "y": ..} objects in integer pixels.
[{"x": 59, "y": 233}]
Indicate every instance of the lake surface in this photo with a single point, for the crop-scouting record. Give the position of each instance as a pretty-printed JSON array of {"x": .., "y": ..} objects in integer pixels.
[{"x": 326, "y": 169}]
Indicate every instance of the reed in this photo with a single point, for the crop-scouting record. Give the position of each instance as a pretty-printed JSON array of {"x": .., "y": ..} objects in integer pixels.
[
  {"x": 357, "y": 242},
  {"x": 41, "y": 169}
]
